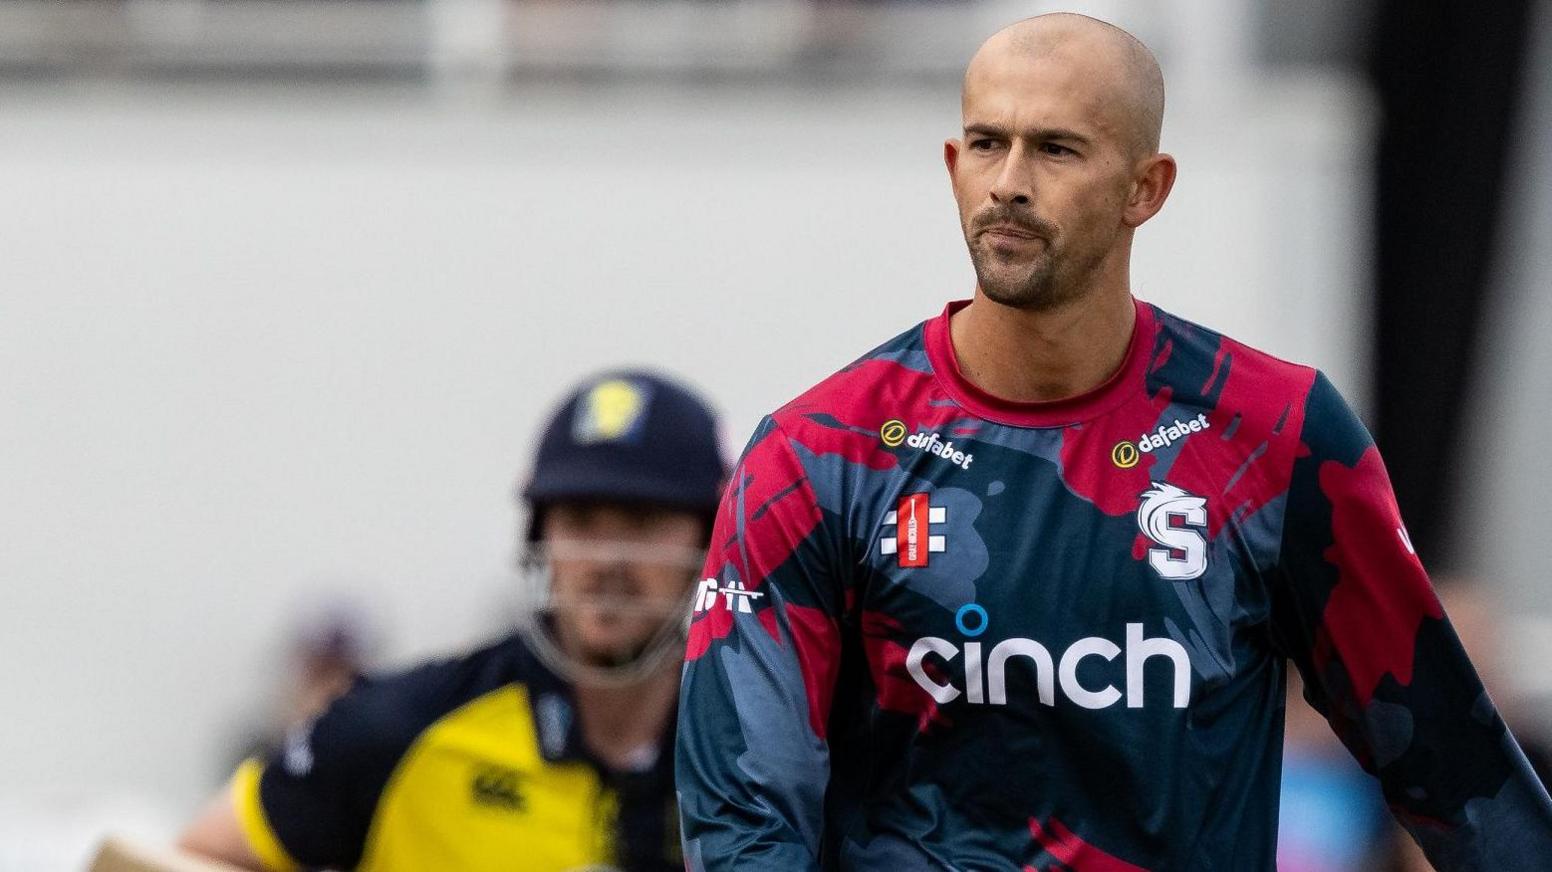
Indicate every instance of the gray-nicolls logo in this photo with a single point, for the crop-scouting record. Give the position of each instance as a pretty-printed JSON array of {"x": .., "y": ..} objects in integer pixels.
[{"x": 734, "y": 595}]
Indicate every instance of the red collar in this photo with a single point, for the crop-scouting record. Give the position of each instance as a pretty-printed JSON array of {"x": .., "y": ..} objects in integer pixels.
[{"x": 1123, "y": 383}]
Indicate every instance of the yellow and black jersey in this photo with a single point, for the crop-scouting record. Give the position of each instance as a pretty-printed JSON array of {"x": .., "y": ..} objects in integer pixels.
[{"x": 469, "y": 764}]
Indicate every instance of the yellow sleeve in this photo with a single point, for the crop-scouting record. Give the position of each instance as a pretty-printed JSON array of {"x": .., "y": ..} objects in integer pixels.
[{"x": 255, "y": 825}]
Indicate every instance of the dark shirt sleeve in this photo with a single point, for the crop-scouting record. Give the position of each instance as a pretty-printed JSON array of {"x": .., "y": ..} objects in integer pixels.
[
  {"x": 1353, "y": 608},
  {"x": 314, "y": 798},
  {"x": 752, "y": 757}
]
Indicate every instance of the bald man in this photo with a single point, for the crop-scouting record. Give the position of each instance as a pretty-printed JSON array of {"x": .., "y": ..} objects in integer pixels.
[{"x": 1017, "y": 589}]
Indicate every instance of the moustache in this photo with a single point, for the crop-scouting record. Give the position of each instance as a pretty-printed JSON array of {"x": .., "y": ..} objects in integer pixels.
[{"x": 1004, "y": 217}]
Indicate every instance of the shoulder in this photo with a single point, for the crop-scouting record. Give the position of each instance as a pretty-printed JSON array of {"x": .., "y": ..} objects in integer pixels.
[
  {"x": 816, "y": 435},
  {"x": 794, "y": 470},
  {"x": 315, "y": 800},
  {"x": 1332, "y": 431},
  {"x": 1229, "y": 379},
  {"x": 1192, "y": 359},
  {"x": 842, "y": 415},
  {"x": 893, "y": 366},
  {"x": 390, "y": 710}
]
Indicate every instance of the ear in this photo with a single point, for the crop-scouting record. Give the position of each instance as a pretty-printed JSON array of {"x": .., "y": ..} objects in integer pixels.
[
  {"x": 951, "y": 160},
  {"x": 1150, "y": 188}
]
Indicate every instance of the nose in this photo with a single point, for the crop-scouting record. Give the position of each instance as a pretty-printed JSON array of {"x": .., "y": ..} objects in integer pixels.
[
  {"x": 1012, "y": 185},
  {"x": 609, "y": 573}
]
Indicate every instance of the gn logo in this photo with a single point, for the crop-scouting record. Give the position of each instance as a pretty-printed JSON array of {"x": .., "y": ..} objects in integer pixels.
[
  {"x": 892, "y": 433},
  {"x": 499, "y": 787}
]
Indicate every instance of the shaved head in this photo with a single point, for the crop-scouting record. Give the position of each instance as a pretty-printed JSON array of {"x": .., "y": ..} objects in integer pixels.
[
  {"x": 1107, "y": 56},
  {"x": 1059, "y": 159}
]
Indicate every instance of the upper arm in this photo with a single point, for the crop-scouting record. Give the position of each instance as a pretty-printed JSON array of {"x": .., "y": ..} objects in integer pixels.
[
  {"x": 760, "y": 668},
  {"x": 1352, "y": 600},
  {"x": 311, "y": 803},
  {"x": 1354, "y": 609}
]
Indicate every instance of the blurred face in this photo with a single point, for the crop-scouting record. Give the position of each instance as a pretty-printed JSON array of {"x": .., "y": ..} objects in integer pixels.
[
  {"x": 618, "y": 573},
  {"x": 1042, "y": 175}
]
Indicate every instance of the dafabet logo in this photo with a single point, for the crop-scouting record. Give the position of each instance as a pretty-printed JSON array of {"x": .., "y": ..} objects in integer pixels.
[
  {"x": 892, "y": 433},
  {"x": 1126, "y": 453}
]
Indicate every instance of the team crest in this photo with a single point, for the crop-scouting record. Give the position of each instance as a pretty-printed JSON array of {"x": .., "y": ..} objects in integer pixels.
[
  {"x": 610, "y": 411},
  {"x": 1176, "y": 521}
]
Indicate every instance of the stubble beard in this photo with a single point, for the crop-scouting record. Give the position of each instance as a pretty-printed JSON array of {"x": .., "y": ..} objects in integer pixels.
[
  {"x": 1052, "y": 279},
  {"x": 1035, "y": 285}
]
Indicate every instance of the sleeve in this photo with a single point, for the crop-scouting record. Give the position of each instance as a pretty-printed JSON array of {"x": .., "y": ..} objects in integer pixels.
[
  {"x": 1354, "y": 610},
  {"x": 752, "y": 760},
  {"x": 310, "y": 804}
]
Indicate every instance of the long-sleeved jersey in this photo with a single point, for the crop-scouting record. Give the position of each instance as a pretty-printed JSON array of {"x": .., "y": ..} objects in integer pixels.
[{"x": 940, "y": 630}]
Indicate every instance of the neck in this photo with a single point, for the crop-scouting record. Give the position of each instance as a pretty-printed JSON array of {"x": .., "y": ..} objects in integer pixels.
[
  {"x": 618, "y": 723},
  {"x": 1038, "y": 356}
]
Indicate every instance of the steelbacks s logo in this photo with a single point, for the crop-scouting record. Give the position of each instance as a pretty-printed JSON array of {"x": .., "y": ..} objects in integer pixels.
[
  {"x": 1177, "y": 522},
  {"x": 912, "y": 539}
]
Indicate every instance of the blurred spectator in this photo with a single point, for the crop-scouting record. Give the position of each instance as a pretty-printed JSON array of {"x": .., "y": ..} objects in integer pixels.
[{"x": 329, "y": 646}]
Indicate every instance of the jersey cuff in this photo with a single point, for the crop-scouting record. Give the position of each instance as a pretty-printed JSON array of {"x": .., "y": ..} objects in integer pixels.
[{"x": 255, "y": 825}]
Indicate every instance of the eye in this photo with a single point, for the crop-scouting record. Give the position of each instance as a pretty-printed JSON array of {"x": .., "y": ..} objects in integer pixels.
[
  {"x": 1055, "y": 150},
  {"x": 983, "y": 144}
]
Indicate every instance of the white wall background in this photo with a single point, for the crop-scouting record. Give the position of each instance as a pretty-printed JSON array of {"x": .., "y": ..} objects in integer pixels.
[{"x": 254, "y": 344}]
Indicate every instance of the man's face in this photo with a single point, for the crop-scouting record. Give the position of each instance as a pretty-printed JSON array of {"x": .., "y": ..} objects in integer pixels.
[
  {"x": 1042, "y": 175},
  {"x": 618, "y": 573}
]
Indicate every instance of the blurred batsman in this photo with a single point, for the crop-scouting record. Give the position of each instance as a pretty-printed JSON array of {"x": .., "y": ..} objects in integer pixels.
[{"x": 550, "y": 749}]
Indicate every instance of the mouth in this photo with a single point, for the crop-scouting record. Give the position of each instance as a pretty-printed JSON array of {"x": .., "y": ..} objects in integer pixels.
[
  {"x": 1009, "y": 235},
  {"x": 1009, "y": 241},
  {"x": 1009, "y": 231}
]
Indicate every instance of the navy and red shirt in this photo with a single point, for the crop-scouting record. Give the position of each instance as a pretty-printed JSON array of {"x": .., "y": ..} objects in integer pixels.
[{"x": 940, "y": 630}]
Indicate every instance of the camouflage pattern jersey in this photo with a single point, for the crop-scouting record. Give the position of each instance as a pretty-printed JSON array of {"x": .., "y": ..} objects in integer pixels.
[{"x": 940, "y": 630}]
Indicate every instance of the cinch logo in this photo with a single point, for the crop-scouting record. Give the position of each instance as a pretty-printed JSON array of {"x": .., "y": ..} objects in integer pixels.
[
  {"x": 1163, "y": 437},
  {"x": 706, "y": 595},
  {"x": 984, "y": 674},
  {"x": 932, "y": 443},
  {"x": 1174, "y": 519},
  {"x": 912, "y": 539}
]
